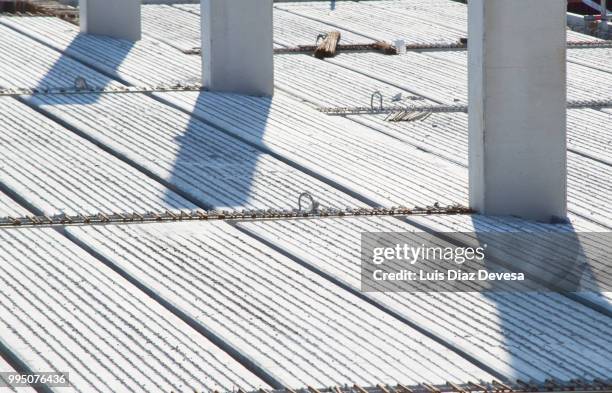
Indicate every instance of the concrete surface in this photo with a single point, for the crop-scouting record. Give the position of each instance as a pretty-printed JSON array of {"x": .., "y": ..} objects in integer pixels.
[
  {"x": 237, "y": 46},
  {"x": 517, "y": 116},
  {"x": 114, "y": 18}
]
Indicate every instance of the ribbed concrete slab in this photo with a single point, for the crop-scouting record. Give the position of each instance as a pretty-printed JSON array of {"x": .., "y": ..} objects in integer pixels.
[
  {"x": 420, "y": 20},
  {"x": 139, "y": 64},
  {"x": 600, "y": 58},
  {"x": 419, "y": 5},
  {"x": 509, "y": 332},
  {"x": 433, "y": 78},
  {"x": 58, "y": 172},
  {"x": 442, "y": 75},
  {"x": 377, "y": 23},
  {"x": 442, "y": 79},
  {"x": 324, "y": 84},
  {"x": 63, "y": 310},
  {"x": 589, "y": 181},
  {"x": 213, "y": 169},
  {"x": 577, "y": 225},
  {"x": 9, "y": 207},
  {"x": 291, "y": 30},
  {"x": 445, "y": 134},
  {"x": 191, "y": 25},
  {"x": 446, "y": 14},
  {"x": 583, "y": 82},
  {"x": 590, "y": 134},
  {"x": 29, "y": 64},
  {"x": 295, "y": 324},
  {"x": 449, "y": 16},
  {"x": 375, "y": 166},
  {"x": 172, "y": 26},
  {"x": 576, "y": 36},
  {"x": 146, "y": 62},
  {"x": 590, "y": 189}
]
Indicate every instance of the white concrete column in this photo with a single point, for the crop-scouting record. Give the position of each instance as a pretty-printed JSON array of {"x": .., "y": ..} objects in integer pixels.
[
  {"x": 517, "y": 107},
  {"x": 114, "y": 18},
  {"x": 237, "y": 47}
]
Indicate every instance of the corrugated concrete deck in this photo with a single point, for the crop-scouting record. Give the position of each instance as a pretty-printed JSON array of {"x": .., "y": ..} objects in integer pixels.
[
  {"x": 213, "y": 169},
  {"x": 506, "y": 331},
  {"x": 584, "y": 230},
  {"x": 593, "y": 58},
  {"x": 590, "y": 134},
  {"x": 324, "y": 84},
  {"x": 290, "y": 30},
  {"x": 58, "y": 172},
  {"x": 362, "y": 161},
  {"x": 446, "y": 15},
  {"x": 576, "y": 36},
  {"x": 589, "y": 181},
  {"x": 583, "y": 83},
  {"x": 374, "y": 22},
  {"x": 424, "y": 89},
  {"x": 445, "y": 134},
  {"x": 306, "y": 329},
  {"x": 440, "y": 19},
  {"x": 46, "y": 68},
  {"x": 442, "y": 75},
  {"x": 439, "y": 76},
  {"x": 172, "y": 26},
  {"x": 8, "y": 207},
  {"x": 300, "y": 327},
  {"x": 432, "y": 78},
  {"x": 147, "y": 62},
  {"x": 63, "y": 310}
]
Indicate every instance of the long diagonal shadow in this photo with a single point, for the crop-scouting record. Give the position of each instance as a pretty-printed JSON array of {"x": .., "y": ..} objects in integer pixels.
[
  {"x": 220, "y": 167},
  {"x": 555, "y": 256},
  {"x": 216, "y": 170},
  {"x": 64, "y": 68}
]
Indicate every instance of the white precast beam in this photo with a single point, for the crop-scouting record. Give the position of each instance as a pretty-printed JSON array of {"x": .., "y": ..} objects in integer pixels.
[
  {"x": 114, "y": 18},
  {"x": 237, "y": 46},
  {"x": 517, "y": 99}
]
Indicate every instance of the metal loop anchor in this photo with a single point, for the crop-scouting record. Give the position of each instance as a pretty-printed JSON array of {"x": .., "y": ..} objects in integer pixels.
[
  {"x": 380, "y": 99},
  {"x": 314, "y": 205}
]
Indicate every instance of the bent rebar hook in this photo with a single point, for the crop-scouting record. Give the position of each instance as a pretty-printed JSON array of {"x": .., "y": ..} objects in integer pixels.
[
  {"x": 314, "y": 204},
  {"x": 380, "y": 99}
]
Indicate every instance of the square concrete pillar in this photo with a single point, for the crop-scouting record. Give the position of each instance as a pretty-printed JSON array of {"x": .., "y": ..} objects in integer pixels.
[
  {"x": 517, "y": 107},
  {"x": 114, "y": 18},
  {"x": 237, "y": 46}
]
